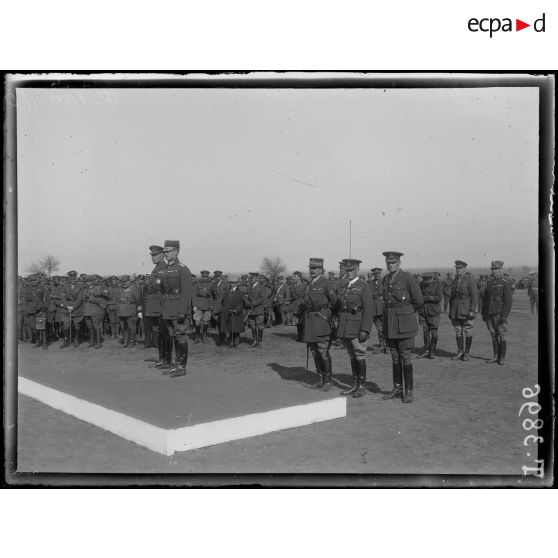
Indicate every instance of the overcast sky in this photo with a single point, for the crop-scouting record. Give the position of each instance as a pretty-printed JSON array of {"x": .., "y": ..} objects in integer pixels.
[{"x": 239, "y": 174}]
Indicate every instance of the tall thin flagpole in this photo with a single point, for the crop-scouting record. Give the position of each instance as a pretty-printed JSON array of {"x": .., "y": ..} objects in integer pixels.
[{"x": 350, "y": 238}]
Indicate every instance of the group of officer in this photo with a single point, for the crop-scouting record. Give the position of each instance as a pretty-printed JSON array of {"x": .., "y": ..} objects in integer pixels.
[{"x": 170, "y": 302}]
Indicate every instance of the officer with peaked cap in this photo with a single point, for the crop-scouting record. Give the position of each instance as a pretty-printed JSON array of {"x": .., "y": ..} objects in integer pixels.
[
  {"x": 177, "y": 296},
  {"x": 71, "y": 304},
  {"x": 429, "y": 314},
  {"x": 463, "y": 303},
  {"x": 129, "y": 304},
  {"x": 298, "y": 288},
  {"x": 202, "y": 305},
  {"x": 355, "y": 322},
  {"x": 319, "y": 299},
  {"x": 496, "y": 306},
  {"x": 232, "y": 315},
  {"x": 156, "y": 334},
  {"x": 255, "y": 300},
  {"x": 402, "y": 299},
  {"x": 220, "y": 286}
]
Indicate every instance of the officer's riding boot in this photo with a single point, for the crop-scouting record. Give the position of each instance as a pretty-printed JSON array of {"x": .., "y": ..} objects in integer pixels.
[
  {"x": 468, "y": 342},
  {"x": 161, "y": 351},
  {"x": 197, "y": 334},
  {"x": 354, "y": 387},
  {"x": 132, "y": 338},
  {"x": 327, "y": 383},
  {"x": 397, "y": 390},
  {"x": 298, "y": 332},
  {"x": 408, "y": 374},
  {"x": 320, "y": 367},
  {"x": 126, "y": 338},
  {"x": 66, "y": 342},
  {"x": 99, "y": 338},
  {"x": 181, "y": 359},
  {"x": 90, "y": 337},
  {"x": 432, "y": 349},
  {"x": 260, "y": 338},
  {"x": 361, "y": 378},
  {"x": 495, "y": 350},
  {"x": 167, "y": 355},
  {"x": 502, "y": 352},
  {"x": 254, "y": 338},
  {"x": 459, "y": 340},
  {"x": 426, "y": 337}
]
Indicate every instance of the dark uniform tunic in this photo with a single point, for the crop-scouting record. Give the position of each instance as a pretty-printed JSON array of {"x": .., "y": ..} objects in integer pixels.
[
  {"x": 463, "y": 303},
  {"x": 153, "y": 295},
  {"x": 232, "y": 316},
  {"x": 402, "y": 299},
  {"x": 429, "y": 314},
  {"x": 318, "y": 301},
  {"x": 497, "y": 305}
]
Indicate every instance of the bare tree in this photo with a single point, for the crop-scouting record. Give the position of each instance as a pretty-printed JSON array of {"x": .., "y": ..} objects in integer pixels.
[
  {"x": 47, "y": 265},
  {"x": 272, "y": 266}
]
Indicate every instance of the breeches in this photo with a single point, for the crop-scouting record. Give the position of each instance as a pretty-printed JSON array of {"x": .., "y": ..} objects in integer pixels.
[
  {"x": 463, "y": 327},
  {"x": 76, "y": 320},
  {"x": 355, "y": 348},
  {"x": 128, "y": 322},
  {"x": 201, "y": 317},
  {"x": 94, "y": 321},
  {"x": 401, "y": 349},
  {"x": 175, "y": 330},
  {"x": 256, "y": 322},
  {"x": 320, "y": 348},
  {"x": 495, "y": 327}
]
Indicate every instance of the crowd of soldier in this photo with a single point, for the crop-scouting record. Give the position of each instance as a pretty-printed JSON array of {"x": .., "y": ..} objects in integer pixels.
[{"x": 342, "y": 308}]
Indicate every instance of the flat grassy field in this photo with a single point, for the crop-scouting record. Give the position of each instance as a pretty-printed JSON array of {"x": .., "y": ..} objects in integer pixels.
[{"x": 464, "y": 419}]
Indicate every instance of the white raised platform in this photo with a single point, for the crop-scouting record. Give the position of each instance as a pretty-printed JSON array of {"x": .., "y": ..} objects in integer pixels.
[{"x": 169, "y": 441}]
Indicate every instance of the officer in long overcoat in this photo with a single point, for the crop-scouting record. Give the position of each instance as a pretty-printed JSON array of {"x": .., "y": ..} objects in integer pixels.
[{"x": 232, "y": 315}]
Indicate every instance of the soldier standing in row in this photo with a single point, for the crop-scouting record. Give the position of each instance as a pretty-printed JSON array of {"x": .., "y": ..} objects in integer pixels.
[
  {"x": 496, "y": 309},
  {"x": 220, "y": 286},
  {"x": 402, "y": 299},
  {"x": 429, "y": 314},
  {"x": 446, "y": 289},
  {"x": 481, "y": 287},
  {"x": 71, "y": 304},
  {"x": 95, "y": 301},
  {"x": 255, "y": 303},
  {"x": 297, "y": 303},
  {"x": 42, "y": 305},
  {"x": 177, "y": 296},
  {"x": 281, "y": 299},
  {"x": 355, "y": 322},
  {"x": 319, "y": 299},
  {"x": 128, "y": 298},
  {"x": 203, "y": 305},
  {"x": 112, "y": 306},
  {"x": 463, "y": 302},
  {"x": 156, "y": 334},
  {"x": 376, "y": 287},
  {"x": 232, "y": 316}
]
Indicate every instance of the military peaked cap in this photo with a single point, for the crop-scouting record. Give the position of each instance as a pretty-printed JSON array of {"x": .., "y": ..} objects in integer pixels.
[
  {"x": 376, "y": 270},
  {"x": 72, "y": 274},
  {"x": 349, "y": 263},
  {"x": 171, "y": 245},
  {"x": 316, "y": 262},
  {"x": 497, "y": 264},
  {"x": 392, "y": 257},
  {"x": 154, "y": 249},
  {"x": 460, "y": 263}
]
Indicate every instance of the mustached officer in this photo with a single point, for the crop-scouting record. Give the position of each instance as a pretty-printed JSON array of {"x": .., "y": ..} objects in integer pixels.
[{"x": 402, "y": 299}]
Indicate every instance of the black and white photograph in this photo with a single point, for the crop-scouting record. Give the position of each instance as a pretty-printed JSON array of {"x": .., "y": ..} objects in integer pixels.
[{"x": 279, "y": 279}]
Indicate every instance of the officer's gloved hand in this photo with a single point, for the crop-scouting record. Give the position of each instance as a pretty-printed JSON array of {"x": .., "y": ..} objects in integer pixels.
[
  {"x": 140, "y": 315},
  {"x": 362, "y": 336},
  {"x": 195, "y": 308},
  {"x": 471, "y": 315},
  {"x": 503, "y": 321},
  {"x": 70, "y": 308},
  {"x": 181, "y": 318}
]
